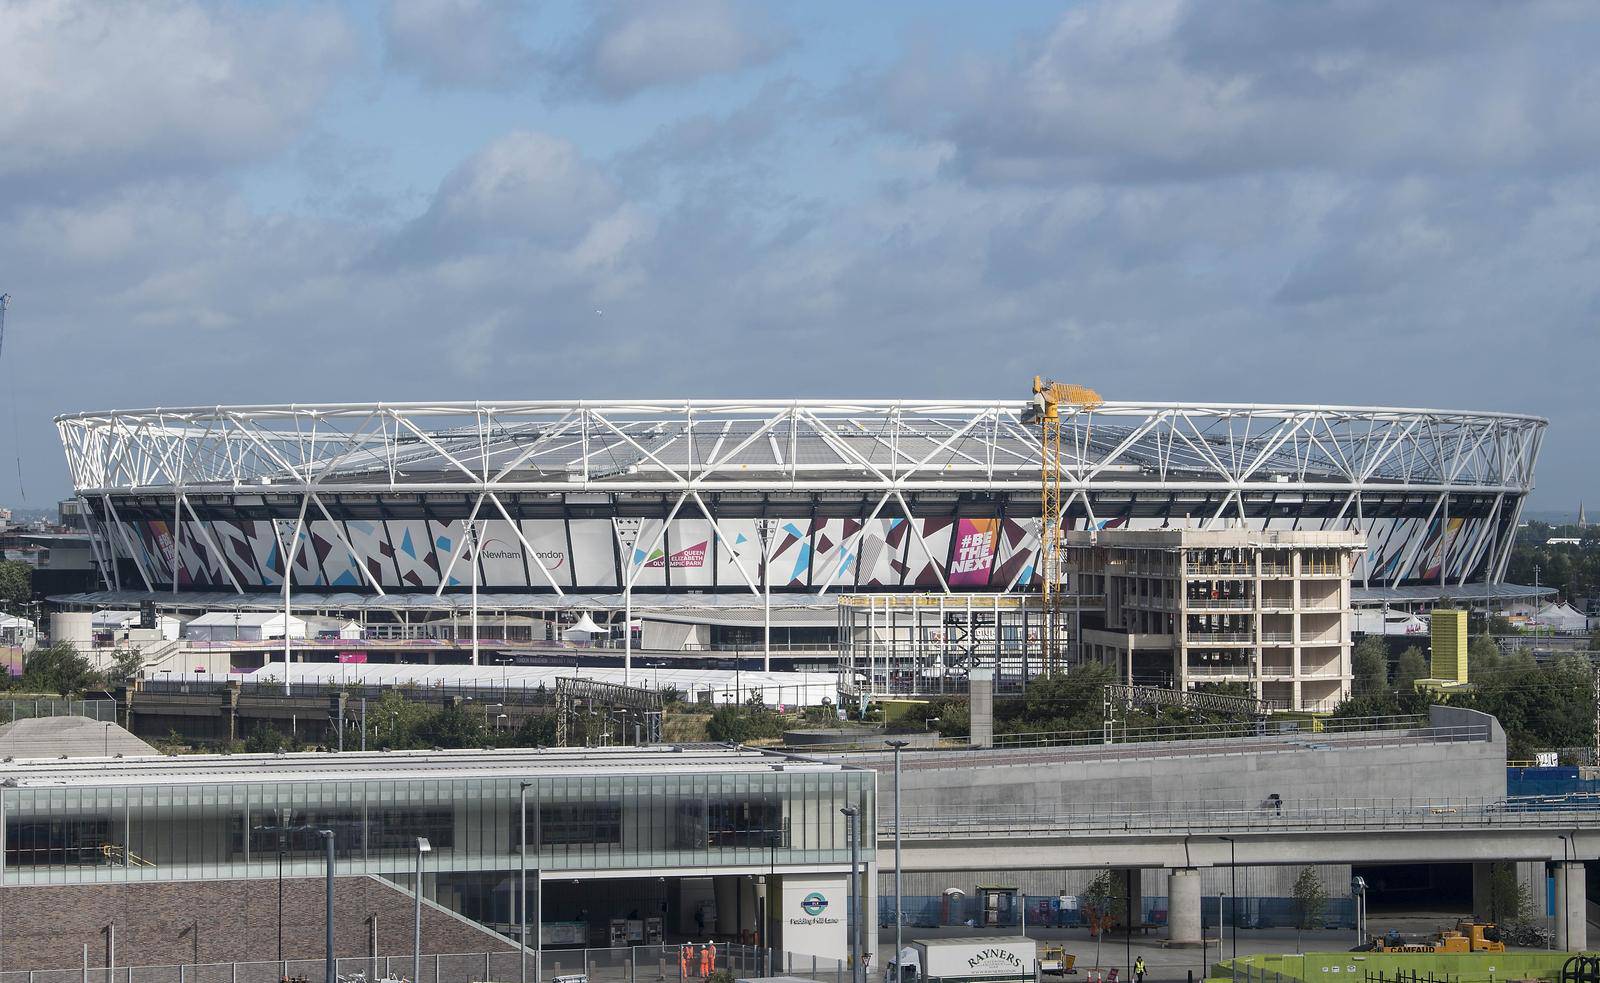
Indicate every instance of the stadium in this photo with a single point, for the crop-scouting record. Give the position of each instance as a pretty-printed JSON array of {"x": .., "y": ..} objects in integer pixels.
[{"x": 741, "y": 521}]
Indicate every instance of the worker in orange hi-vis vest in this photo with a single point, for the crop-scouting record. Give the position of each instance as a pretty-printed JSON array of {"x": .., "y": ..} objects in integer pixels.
[
  {"x": 711, "y": 958},
  {"x": 705, "y": 961},
  {"x": 683, "y": 961}
]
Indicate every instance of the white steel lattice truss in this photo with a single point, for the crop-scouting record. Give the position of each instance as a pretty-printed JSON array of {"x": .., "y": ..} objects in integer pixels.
[{"x": 1236, "y": 456}]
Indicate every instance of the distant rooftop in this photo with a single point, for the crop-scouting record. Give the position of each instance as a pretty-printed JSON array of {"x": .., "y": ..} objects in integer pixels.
[{"x": 399, "y": 765}]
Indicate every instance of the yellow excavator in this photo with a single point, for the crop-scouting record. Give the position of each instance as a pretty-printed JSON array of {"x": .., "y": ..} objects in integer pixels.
[{"x": 1045, "y": 409}]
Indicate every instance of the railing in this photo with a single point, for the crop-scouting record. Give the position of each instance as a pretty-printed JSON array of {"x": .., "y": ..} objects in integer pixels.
[
  {"x": 620, "y": 964},
  {"x": 1277, "y": 636},
  {"x": 1320, "y": 569},
  {"x": 101, "y": 710},
  {"x": 1275, "y": 569},
  {"x": 1387, "y": 814},
  {"x": 1221, "y": 570},
  {"x": 1209, "y": 637},
  {"x": 1239, "y": 669},
  {"x": 1403, "y": 728},
  {"x": 1223, "y": 603},
  {"x": 1274, "y": 601}
]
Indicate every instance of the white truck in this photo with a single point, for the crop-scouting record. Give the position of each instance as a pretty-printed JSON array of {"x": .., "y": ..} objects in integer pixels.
[{"x": 992, "y": 959}]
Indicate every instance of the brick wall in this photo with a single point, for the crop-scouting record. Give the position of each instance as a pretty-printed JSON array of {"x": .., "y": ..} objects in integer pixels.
[{"x": 45, "y": 927}]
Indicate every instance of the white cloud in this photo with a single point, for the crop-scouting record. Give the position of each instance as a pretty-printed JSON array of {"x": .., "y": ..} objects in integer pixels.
[
  {"x": 100, "y": 90},
  {"x": 459, "y": 43},
  {"x": 641, "y": 44},
  {"x": 1189, "y": 89},
  {"x": 524, "y": 189}
]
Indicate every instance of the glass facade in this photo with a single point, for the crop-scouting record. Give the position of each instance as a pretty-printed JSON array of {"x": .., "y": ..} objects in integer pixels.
[{"x": 211, "y": 829}]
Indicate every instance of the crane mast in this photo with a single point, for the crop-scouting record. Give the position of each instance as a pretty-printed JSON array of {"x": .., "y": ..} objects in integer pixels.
[{"x": 1045, "y": 410}]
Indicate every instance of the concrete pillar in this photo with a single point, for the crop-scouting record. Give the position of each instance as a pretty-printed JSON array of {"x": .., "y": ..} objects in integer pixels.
[
  {"x": 1183, "y": 906},
  {"x": 1572, "y": 908},
  {"x": 980, "y": 695},
  {"x": 1133, "y": 894},
  {"x": 726, "y": 893},
  {"x": 1482, "y": 891}
]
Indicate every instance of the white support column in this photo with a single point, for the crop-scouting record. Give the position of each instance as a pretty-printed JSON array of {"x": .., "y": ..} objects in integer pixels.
[
  {"x": 472, "y": 544},
  {"x": 1572, "y": 907},
  {"x": 1183, "y": 906},
  {"x": 288, "y": 553}
]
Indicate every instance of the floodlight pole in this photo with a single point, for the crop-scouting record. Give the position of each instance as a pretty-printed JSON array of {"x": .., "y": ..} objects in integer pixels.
[
  {"x": 330, "y": 964},
  {"x": 522, "y": 896},
  {"x": 857, "y": 897},
  {"x": 899, "y": 921},
  {"x": 423, "y": 846}
]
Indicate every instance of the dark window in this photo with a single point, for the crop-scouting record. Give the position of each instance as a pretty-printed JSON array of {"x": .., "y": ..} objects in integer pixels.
[
  {"x": 56, "y": 842},
  {"x": 378, "y": 831},
  {"x": 729, "y": 823},
  {"x": 569, "y": 823}
]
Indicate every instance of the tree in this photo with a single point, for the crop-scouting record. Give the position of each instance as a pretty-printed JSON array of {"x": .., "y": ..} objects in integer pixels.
[
  {"x": 393, "y": 721},
  {"x": 16, "y": 585},
  {"x": 1483, "y": 657},
  {"x": 1103, "y": 901},
  {"x": 1509, "y": 902},
  {"x": 267, "y": 739},
  {"x": 60, "y": 669},
  {"x": 537, "y": 730},
  {"x": 1410, "y": 668},
  {"x": 741, "y": 724},
  {"x": 452, "y": 727},
  {"x": 1310, "y": 898},
  {"x": 1370, "y": 665},
  {"x": 125, "y": 667}
]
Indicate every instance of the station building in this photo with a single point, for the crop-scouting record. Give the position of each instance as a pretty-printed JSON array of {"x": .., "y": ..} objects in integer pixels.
[{"x": 655, "y": 843}]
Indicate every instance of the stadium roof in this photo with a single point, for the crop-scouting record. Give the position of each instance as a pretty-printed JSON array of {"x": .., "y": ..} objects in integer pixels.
[{"x": 802, "y": 446}]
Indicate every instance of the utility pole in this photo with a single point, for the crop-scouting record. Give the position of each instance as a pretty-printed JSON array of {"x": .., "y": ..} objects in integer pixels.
[{"x": 1594, "y": 690}]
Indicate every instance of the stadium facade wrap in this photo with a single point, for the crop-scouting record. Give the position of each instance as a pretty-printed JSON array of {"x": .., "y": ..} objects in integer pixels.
[{"x": 742, "y": 496}]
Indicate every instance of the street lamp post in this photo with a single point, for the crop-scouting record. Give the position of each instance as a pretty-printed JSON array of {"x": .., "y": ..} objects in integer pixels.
[
  {"x": 899, "y": 920},
  {"x": 522, "y": 897},
  {"x": 857, "y": 937},
  {"x": 106, "y": 750},
  {"x": 1233, "y": 889},
  {"x": 329, "y": 964},
  {"x": 423, "y": 846}
]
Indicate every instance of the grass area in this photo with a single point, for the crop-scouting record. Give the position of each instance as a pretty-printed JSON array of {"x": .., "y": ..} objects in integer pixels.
[{"x": 1330, "y": 967}]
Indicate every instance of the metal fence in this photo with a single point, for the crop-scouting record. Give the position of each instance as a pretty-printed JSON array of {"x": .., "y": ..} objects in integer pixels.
[
  {"x": 1248, "y": 911},
  {"x": 1554, "y": 812},
  {"x": 14, "y": 710},
  {"x": 630, "y": 964},
  {"x": 1401, "y": 726}
]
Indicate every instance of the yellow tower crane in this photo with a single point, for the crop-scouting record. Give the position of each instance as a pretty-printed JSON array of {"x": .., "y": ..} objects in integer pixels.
[{"x": 1045, "y": 410}]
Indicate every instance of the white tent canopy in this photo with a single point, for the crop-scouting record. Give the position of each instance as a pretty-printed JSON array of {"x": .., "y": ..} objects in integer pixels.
[{"x": 586, "y": 625}]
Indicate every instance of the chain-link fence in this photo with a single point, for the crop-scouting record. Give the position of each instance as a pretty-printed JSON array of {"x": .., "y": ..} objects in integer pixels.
[
  {"x": 688, "y": 963},
  {"x": 14, "y": 710}
]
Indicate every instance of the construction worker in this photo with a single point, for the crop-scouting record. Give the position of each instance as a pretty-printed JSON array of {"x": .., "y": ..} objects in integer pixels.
[
  {"x": 711, "y": 958},
  {"x": 1138, "y": 970},
  {"x": 705, "y": 961},
  {"x": 683, "y": 961}
]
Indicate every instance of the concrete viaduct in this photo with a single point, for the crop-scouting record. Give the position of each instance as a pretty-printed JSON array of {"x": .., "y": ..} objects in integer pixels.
[{"x": 1429, "y": 791}]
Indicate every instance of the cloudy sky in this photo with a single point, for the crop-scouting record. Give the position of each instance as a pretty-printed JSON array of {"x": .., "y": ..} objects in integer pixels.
[{"x": 1242, "y": 200}]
